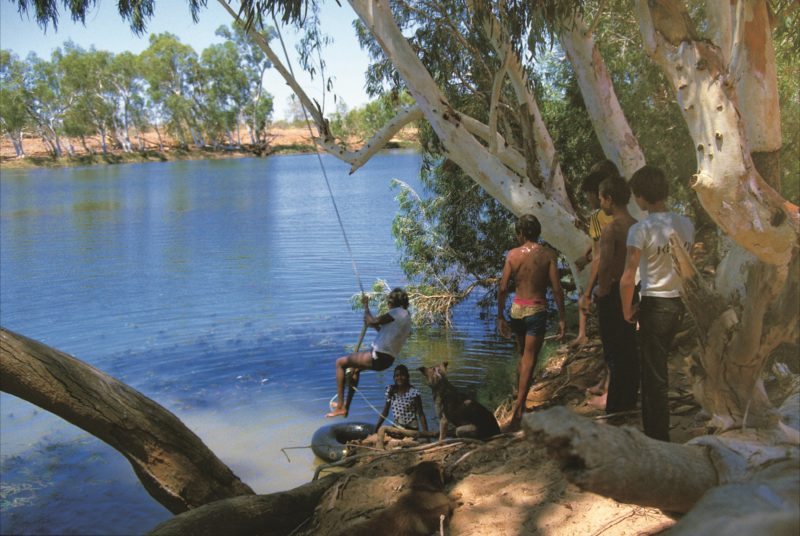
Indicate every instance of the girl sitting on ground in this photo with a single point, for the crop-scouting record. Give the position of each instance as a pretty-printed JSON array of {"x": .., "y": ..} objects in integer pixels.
[{"x": 405, "y": 402}]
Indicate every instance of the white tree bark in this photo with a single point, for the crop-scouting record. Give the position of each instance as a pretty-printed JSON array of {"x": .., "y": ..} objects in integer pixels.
[
  {"x": 747, "y": 51},
  {"x": 612, "y": 129},
  {"x": 356, "y": 159},
  {"x": 513, "y": 191},
  {"x": 548, "y": 166},
  {"x": 727, "y": 183}
]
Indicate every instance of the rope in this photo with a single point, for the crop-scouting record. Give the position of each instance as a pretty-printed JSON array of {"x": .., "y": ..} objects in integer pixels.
[
  {"x": 319, "y": 158},
  {"x": 377, "y": 412}
]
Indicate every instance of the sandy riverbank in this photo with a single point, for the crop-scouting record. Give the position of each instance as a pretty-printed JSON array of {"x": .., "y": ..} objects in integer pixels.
[{"x": 285, "y": 140}]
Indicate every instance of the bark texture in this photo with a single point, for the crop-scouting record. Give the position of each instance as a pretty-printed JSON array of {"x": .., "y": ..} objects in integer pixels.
[
  {"x": 622, "y": 463},
  {"x": 175, "y": 467},
  {"x": 727, "y": 182},
  {"x": 275, "y": 514}
]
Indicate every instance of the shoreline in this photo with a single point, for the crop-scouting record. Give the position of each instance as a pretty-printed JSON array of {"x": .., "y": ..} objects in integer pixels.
[{"x": 284, "y": 142}]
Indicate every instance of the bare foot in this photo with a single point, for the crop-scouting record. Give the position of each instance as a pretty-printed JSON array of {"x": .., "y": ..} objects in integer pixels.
[
  {"x": 578, "y": 341},
  {"x": 512, "y": 425},
  {"x": 341, "y": 412}
]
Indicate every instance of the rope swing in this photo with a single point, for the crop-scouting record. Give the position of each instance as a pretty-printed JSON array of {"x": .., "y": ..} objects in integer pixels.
[{"x": 353, "y": 374}]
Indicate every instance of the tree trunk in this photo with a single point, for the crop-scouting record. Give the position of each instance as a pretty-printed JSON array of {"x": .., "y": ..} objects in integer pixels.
[
  {"x": 738, "y": 340},
  {"x": 727, "y": 183},
  {"x": 173, "y": 464},
  {"x": 609, "y": 122},
  {"x": 485, "y": 168},
  {"x": 729, "y": 485},
  {"x": 621, "y": 462},
  {"x": 255, "y": 515}
]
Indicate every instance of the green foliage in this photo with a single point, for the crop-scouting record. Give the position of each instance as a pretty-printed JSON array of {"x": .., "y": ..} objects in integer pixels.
[
  {"x": 452, "y": 240},
  {"x": 80, "y": 93},
  {"x": 362, "y": 123},
  {"x": 787, "y": 44}
]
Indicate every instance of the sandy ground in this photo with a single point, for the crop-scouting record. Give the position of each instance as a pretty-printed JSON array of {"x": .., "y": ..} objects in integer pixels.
[{"x": 508, "y": 486}]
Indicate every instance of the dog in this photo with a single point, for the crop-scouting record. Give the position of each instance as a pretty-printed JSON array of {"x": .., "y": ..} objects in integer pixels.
[
  {"x": 466, "y": 414},
  {"x": 417, "y": 512}
]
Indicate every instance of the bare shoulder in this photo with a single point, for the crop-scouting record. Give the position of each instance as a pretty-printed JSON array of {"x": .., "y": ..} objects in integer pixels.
[{"x": 550, "y": 253}]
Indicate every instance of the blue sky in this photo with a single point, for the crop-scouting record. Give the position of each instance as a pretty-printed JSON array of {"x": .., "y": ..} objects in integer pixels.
[{"x": 106, "y": 30}]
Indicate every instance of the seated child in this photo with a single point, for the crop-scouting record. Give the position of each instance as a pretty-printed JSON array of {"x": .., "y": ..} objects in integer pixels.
[{"x": 405, "y": 401}]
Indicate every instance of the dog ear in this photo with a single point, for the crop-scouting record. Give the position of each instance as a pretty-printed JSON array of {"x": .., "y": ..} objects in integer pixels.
[
  {"x": 444, "y": 365},
  {"x": 423, "y": 369}
]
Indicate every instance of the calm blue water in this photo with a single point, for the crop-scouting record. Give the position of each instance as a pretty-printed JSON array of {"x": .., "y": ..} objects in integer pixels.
[{"x": 221, "y": 289}]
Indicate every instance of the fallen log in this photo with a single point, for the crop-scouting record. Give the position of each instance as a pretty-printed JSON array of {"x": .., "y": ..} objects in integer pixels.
[
  {"x": 622, "y": 463},
  {"x": 174, "y": 465},
  {"x": 253, "y": 515}
]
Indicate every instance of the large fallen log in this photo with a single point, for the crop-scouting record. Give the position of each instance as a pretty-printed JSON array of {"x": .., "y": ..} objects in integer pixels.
[
  {"x": 741, "y": 483},
  {"x": 622, "y": 463},
  {"x": 173, "y": 464},
  {"x": 254, "y": 515}
]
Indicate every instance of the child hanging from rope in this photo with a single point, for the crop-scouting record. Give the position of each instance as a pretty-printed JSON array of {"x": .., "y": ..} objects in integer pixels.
[
  {"x": 393, "y": 329},
  {"x": 405, "y": 402}
]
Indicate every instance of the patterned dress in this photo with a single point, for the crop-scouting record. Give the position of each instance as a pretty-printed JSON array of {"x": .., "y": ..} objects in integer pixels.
[{"x": 404, "y": 411}]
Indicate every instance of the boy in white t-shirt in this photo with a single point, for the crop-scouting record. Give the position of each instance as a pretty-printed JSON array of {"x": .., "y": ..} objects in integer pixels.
[
  {"x": 393, "y": 329},
  {"x": 660, "y": 310}
]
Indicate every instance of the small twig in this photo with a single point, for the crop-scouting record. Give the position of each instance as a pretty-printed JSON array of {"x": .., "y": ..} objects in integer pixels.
[
  {"x": 448, "y": 443},
  {"x": 618, "y": 414},
  {"x": 284, "y": 449},
  {"x": 300, "y": 526},
  {"x": 617, "y": 520}
]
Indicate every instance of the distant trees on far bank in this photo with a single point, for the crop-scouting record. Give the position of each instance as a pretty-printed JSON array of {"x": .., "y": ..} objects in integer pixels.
[{"x": 212, "y": 99}]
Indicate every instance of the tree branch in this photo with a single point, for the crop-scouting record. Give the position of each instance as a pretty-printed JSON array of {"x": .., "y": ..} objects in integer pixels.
[
  {"x": 175, "y": 467},
  {"x": 275, "y": 514},
  {"x": 356, "y": 159}
]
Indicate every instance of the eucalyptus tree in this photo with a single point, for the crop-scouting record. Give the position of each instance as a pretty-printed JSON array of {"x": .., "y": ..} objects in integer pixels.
[
  {"x": 125, "y": 76},
  {"x": 46, "y": 101},
  {"x": 256, "y": 110},
  {"x": 485, "y": 120},
  {"x": 225, "y": 91},
  {"x": 13, "y": 113},
  {"x": 172, "y": 71},
  {"x": 87, "y": 87}
]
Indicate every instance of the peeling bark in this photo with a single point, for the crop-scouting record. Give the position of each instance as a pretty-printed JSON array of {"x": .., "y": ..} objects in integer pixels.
[
  {"x": 727, "y": 182},
  {"x": 173, "y": 464},
  {"x": 612, "y": 129}
]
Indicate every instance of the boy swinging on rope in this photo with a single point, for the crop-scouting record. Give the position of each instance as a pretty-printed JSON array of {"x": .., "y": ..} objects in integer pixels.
[{"x": 393, "y": 329}]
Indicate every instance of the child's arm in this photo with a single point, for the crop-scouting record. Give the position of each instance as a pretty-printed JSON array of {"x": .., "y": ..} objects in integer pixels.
[
  {"x": 384, "y": 413},
  {"x": 421, "y": 413}
]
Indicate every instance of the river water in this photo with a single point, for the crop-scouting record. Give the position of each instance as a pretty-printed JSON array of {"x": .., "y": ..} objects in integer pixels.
[{"x": 220, "y": 289}]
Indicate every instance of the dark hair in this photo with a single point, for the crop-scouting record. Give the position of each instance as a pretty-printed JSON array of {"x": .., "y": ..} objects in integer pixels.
[
  {"x": 529, "y": 227},
  {"x": 605, "y": 169},
  {"x": 401, "y": 368},
  {"x": 617, "y": 189},
  {"x": 650, "y": 183},
  {"x": 398, "y": 297}
]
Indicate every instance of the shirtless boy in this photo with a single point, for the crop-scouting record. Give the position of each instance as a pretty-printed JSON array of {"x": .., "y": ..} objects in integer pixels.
[
  {"x": 532, "y": 267},
  {"x": 618, "y": 336}
]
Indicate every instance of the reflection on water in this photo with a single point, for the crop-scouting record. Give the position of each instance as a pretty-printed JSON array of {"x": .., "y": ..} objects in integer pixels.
[{"x": 221, "y": 290}]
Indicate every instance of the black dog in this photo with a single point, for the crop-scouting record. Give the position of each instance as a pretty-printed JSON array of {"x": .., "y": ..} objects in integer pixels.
[{"x": 467, "y": 415}]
